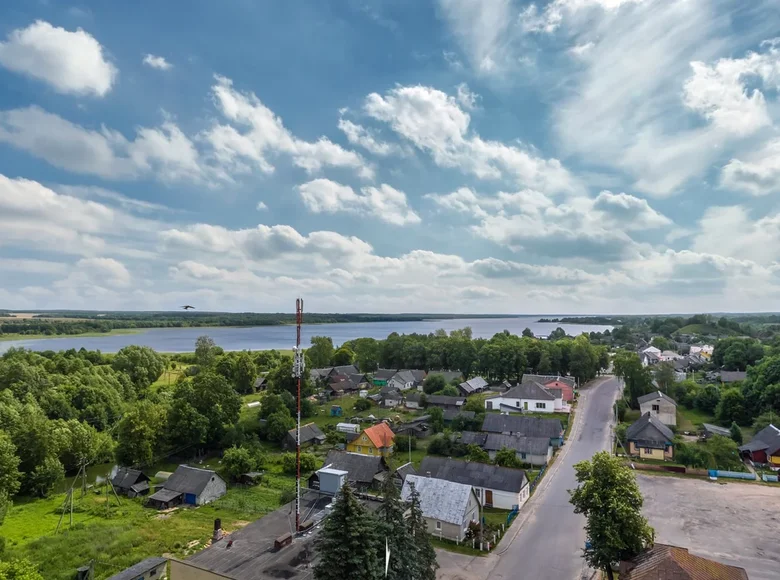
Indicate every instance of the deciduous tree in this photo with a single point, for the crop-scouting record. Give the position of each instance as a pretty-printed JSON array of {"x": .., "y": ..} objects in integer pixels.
[
  {"x": 321, "y": 351},
  {"x": 142, "y": 364},
  {"x": 205, "y": 351},
  {"x": 507, "y": 458}
]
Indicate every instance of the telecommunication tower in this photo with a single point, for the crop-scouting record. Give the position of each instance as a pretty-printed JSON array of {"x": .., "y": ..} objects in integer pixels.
[{"x": 298, "y": 370}]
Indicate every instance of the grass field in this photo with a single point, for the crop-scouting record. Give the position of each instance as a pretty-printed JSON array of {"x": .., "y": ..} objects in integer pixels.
[
  {"x": 86, "y": 334},
  {"x": 706, "y": 329}
]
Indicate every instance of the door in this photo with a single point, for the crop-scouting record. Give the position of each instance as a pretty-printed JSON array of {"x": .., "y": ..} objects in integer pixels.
[
  {"x": 189, "y": 498},
  {"x": 489, "y": 498},
  {"x": 525, "y": 405}
]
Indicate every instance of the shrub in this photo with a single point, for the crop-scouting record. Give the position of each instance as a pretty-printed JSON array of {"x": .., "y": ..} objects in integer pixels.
[
  {"x": 308, "y": 463},
  {"x": 403, "y": 442},
  {"x": 362, "y": 405}
]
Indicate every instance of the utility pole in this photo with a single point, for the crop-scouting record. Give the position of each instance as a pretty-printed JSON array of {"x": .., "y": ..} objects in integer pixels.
[{"x": 298, "y": 369}]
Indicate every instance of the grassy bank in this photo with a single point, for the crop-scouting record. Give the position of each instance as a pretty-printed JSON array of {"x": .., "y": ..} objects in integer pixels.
[{"x": 83, "y": 335}]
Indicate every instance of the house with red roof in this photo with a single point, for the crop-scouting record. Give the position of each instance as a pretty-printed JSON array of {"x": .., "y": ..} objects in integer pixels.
[{"x": 375, "y": 440}]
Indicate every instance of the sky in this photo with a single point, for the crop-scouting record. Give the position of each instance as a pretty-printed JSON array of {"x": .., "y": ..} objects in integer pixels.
[{"x": 459, "y": 156}]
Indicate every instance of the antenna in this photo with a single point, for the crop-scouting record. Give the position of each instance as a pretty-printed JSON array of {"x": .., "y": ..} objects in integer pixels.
[{"x": 298, "y": 369}]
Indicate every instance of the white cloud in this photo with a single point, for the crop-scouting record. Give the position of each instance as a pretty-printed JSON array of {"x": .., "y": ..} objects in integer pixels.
[
  {"x": 384, "y": 202},
  {"x": 719, "y": 92},
  {"x": 435, "y": 122},
  {"x": 580, "y": 50},
  {"x": 362, "y": 137},
  {"x": 91, "y": 272},
  {"x": 261, "y": 206},
  {"x": 129, "y": 204},
  {"x": 758, "y": 174},
  {"x": 32, "y": 266},
  {"x": 466, "y": 98},
  {"x": 630, "y": 212},
  {"x": 71, "y": 62},
  {"x": 266, "y": 135},
  {"x": 549, "y": 20},
  {"x": 157, "y": 62},
  {"x": 164, "y": 152},
  {"x": 731, "y": 232}
]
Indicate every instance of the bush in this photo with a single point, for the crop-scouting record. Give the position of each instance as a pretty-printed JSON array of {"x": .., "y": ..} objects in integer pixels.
[
  {"x": 361, "y": 405},
  {"x": 622, "y": 407},
  {"x": 308, "y": 463},
  {"x": 403, "y": 442}
]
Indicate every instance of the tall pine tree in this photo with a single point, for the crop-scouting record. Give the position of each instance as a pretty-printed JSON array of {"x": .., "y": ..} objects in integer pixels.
[
  {"x": 350, "y": 543},
  {"x": 424, "y": 556},
  {"x": 400, "y": 541}
]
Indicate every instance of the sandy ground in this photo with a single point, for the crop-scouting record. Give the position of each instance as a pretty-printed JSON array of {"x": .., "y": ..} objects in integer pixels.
[{"x": 733, "y": 523}]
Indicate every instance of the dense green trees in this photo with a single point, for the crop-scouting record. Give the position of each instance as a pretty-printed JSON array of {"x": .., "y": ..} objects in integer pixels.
[
  {"x": 141, "y": 433},
  {"x": 507, "y": 458},
  {"x": 321, "y": 351},
  {"x": 142, "y": 364},
  {"x": 736, "y": 354},
  {"x": 637, "y": 379},
  {"x": 608, "y": 496},
  {"x": 433, "y": 383}
]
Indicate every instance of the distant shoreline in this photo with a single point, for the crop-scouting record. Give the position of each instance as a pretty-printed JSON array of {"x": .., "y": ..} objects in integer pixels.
[{"x": 10, "y": 337}]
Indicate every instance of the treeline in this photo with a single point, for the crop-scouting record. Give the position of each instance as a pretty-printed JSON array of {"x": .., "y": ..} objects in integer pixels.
[{"x": 605, "y": 320}]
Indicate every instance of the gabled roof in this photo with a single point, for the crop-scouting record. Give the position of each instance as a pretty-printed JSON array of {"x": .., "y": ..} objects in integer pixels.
[
  {"x": 557, "y": 393},
  {"x": 138, "y": 570},
  {"x": 404, "y": 377},
  {"x": 126, "y": 477},
  {"x": 529, "y": 390},
  {"x": 444, "y": 400},
  {"x": 474, "y": 473},
  {"x": 404, "y": 470},
  {"x": 650, "y": 355},
  {"x": 439, "y": 499},
  {"x": 384, "y": 374},
  {"x": 519, "y": 444},
  {"x": 414, "y": 397},
  {"x": 715, "y": 430},
  {"x": 259, "y": 382},
  {"x": 309, "y": 432},
  {"x": 656, "y": 395},
  {"x": 361, "y": 468},
  {"x": 545, "y": 379},
  {"x": 473, "y": 385},
  {"x": 418, "y": 374},
  {"x": 473, "y": 438},
  {"x": 346, "y": 370},
  {"x": 188, "y": 479},
  {"x": 358, "y": 378},
  {"x": 525, "y": 426},
  {"x": 391, "y": 391},
  {"x": 450, "y": 414},
  {"x": 768, "y": 439},
  {"x": 732, "y": 376},
  {"x": 665, "y": 562},
  {"x": 381, "y": 435},
  {"x": 648, "y": 428}
]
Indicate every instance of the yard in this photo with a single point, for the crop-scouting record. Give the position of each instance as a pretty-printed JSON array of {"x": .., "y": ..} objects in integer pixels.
[{"x": 733, "y": 523}]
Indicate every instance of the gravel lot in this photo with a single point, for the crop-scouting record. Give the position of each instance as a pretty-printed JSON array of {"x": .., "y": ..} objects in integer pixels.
[{"x": 733, "y": 523}]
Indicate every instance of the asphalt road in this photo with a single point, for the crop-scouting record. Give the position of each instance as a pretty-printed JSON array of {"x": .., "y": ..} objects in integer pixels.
[{"x": 549, "y": 543}]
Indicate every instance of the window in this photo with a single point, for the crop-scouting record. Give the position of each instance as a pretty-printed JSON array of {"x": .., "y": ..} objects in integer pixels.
[
  {"x": 522, "y": 456},
  {"x": 541, "y": 405},
  {"x": 648, "y": 451},
  {"x": 438, "y": 525},
  {"x": 370, "y": 450},
  {"x": 656, "y": 408},
  {"x": 360, "y": 449},
  {"x": 517, "y": 403}
]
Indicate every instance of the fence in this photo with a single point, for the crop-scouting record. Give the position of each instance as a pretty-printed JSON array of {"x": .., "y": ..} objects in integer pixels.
[
  {"x": 731, "y": 474},
  {"x": 653, "y": 467},
  {"x": 512, "y": 515},
  {"x": 770, "y": 478},
  {"x": 538, "y": 478}
]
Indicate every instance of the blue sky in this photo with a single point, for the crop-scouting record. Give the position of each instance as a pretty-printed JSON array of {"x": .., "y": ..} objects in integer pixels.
[{"x": 579, "y": 156}]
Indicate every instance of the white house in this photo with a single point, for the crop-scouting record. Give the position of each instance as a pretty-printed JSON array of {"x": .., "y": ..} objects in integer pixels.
[
  {"x": 669, "y": 355},
  {"x": 660, "y": 406},
  {"x": 448, "y": 507},
  {"x": 402, "y": 380},
  {"x": 498, "y": 487},
  {"x": 529, "y": 396}
]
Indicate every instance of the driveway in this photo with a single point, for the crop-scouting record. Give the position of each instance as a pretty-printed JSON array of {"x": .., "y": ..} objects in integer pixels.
[{"x": 545, "y": 542}]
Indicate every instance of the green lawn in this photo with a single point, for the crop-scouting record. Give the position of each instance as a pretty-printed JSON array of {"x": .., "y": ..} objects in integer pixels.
[
  {"x": 691, "y": 419},
  {"x": 706, "y": 329},
  {"x": 631, "y": 416}
]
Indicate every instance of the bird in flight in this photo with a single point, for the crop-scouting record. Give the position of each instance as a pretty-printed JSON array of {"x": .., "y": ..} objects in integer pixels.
[{"x": 187, "y": 307}]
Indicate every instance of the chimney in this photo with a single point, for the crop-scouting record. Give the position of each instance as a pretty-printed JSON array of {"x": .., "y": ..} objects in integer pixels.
[{"x": 217, "y": 530}]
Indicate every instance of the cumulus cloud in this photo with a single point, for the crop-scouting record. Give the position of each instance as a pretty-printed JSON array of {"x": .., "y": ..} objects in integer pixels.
[
  {"x": 362, "y": 137},
  {"x": 731, "y": 232},
  {"x": 157, "y": 62},
  {"x": 97, "y": 272},
  {"x": 629, "y": 212},
  {"x": 71, "y": 62},
  {"x": 384, "y": 202},
  {"x": 262, "y": 135},
  {"x": 758, "y": 174},
  {"x": 548, "y": 20},
  {"x": 436, "y": 123}
]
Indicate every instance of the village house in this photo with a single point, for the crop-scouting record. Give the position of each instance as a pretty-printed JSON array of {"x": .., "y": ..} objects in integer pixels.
[
  {"x": 310, "y": 435},
  {"x": 323, "y": 374},
  {"x": 407, "y": 379},
  {"x": 528, "y": 396},
  {"x": 663, "y": 561},
  {"x": 532, "y": 450},
  {"x": 448, "y": 507},
  {"x": 552, "y": 429},
  {"x": 649, "y": 438},
  {"x": 260, "y": 384},
  {"x": 381, "y": 376},
  {"x": 764, "y": 448},
  {"x": 567, "y": 385},
  {"x": 729, "y": 377},
  {"x": 188, "y": 485},
  {"x": 376, "y": 440},
  {"x": 361, "y": 469},
  {"x": 149, "y": 569},
  {"x": 413, "y": 401},
  {"x": 659, "y": 405},
  {"x": 445, "y": 402},
  {"x": 495, "y": 486},
  {"x": 398, "y": 476},
  {"x": 471, "y": 386},
  {"x": 130, "y": 482},
  {"x": 347, "y": 384},
  {"x": 390, "y": 397}
]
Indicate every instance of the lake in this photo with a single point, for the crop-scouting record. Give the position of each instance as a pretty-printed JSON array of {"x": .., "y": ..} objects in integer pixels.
[{"x": 283, "y": 337}]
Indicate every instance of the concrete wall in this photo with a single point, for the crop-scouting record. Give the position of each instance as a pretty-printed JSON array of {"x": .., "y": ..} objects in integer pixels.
[
  {"x": 215, "y": 489},
  {"x": 667, "y": 412}
]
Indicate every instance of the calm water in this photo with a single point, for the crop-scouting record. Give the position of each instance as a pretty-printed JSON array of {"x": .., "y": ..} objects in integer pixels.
[{"x": 283, "y": 337}]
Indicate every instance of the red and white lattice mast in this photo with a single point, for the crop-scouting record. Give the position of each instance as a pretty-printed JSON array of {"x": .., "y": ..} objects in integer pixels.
[{"x": 298, "y": 370}]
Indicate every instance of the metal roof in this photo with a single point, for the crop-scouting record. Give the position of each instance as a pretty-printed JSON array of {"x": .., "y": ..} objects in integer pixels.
[
  {"x": 165, "y": 495},
  {"x": 440, "y": 499},
  {"x": 450, "y": 414},
  {"x": 715, "y": 430},
  {"x": 444, "y": 400},
  {"x": 126, "y": 477},
  {"x": 648, "y": 428},
  {"x": 656, "y": 395},
  {"x": 361, "y": 468},
  {"x": 526, "y": 426},
  {"x": 474, "y": 385},
  {"x": 529, "y": 390},
  {"x": 188, "y": 479},
  {"x": 544, "y": 379},
  {"x": 138, "y": 570},
  {"x": 384, "y": 374},
  {"x": 474, "y": 473},
  {"x": 309, "y": 432}
]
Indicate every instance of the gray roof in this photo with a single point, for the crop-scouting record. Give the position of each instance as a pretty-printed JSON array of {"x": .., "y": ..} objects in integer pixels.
[
  {"x": 543, "y": 379},
  {"x": 165, "y": 495},
  {"x": 384, "y": 391},
  {"x": 768, "y": 439},
  {"x": 404, "y": 470},
  {"x": 497, "y": 441},
  {"x": 525, "y": 426},
  {"x": 125, "y": 477},
  {"x": 414, "y": 397},
  {"x": 138, "y": 570},
  {"x": 656, "y": 395},
  {"x": 473, "y": 438},
  {"x": 732, "y": 376},
  {"x": 449, "y": 376},
  {"x": 474, "y": 473},
  {"x": 444, "y": 400},
  {"x": 384, "y": 374},
  {"x": 418, "y": 374},
  {"x": 404, "y": 377},
  {"x": 450, "y": 414},
  {"x": 715, "y": 430},
  {"x": 473, "y": 385},
  {"x": 529, "y": 390},
  {"x": 440, "y": 499},
  {"x": 188, "y": 479},
  {"x": 309, "y": 432},
  {"x": 140, "y": 486},
  {"x": 361, "y": 468},
  {"x": 648, "y": 428}
]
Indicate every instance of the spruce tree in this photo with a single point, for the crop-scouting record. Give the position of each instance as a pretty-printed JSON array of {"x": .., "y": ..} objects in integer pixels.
[
  {"x": 400, "y": 542},
  {"x": 349, "y": 544},
  {"x": 424, "y": 554}
]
